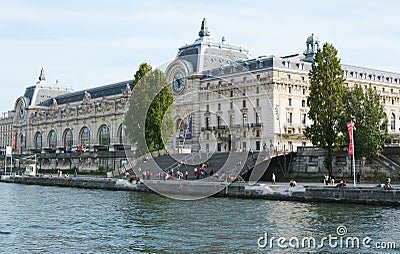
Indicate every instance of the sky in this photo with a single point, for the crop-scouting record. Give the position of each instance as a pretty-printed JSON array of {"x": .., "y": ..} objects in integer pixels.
[{"x": 87, "y": 43}]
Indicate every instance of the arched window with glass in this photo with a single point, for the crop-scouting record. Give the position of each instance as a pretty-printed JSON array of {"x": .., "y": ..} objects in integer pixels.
[
  {"x": 38, "y": 140},
  {"x": 52, "y": 139},
  {"x": 85, "y": 136},
  {"x": 68, "y": 138},
  {"x": 392, "y": 122},
  {"x": 104, "y": 135},
  {"x": 121, "y": 134},
  {"x": 22, "y": 139}
]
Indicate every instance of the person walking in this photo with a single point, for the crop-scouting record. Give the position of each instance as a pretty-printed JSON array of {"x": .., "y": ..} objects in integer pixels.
[{"x": 273, "y": 178}]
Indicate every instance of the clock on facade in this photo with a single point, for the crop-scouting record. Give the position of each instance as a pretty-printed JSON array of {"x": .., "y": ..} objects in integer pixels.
[
  {"x": 179, "y": 83},
  {"x": 21, "y": 110}
]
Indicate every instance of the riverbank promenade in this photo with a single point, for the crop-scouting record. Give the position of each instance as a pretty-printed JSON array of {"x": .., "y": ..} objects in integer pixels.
[{"x": 365, "y": 193}]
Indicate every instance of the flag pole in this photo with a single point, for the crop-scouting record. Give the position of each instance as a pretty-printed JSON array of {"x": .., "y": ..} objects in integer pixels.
[{"x": 354, "y": 160}]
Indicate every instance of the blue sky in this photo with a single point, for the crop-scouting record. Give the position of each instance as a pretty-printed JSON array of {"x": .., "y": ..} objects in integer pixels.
[{"x": 84, "y": 44}]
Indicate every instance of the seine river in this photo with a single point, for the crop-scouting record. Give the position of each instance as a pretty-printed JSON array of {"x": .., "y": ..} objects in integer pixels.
[{"x": 37, "y": 219}]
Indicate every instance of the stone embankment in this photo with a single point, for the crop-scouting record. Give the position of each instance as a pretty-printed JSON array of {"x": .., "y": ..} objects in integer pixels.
[{"x": 305, "y": 193}]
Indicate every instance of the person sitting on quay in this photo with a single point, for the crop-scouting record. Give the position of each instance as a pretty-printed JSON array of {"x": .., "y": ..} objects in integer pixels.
[
  {"x": 332, "y": 179},
  {"x": 292, "y": 183},
  {"x": 342, "y": 184},
  {"x": 387, "y": 185}
]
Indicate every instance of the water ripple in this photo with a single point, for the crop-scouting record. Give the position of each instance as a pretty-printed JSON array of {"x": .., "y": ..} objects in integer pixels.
[{"x": 68, "y": 220}]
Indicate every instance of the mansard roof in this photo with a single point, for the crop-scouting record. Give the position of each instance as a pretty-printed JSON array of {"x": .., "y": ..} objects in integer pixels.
[
  {"x": 96, "y": 92},
  {"x": 29, "y": 92}
]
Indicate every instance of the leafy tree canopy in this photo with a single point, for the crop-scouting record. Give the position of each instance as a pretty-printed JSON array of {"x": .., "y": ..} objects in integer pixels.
[
  {"x": 366, "y": 111},
  {"x": 326, "y": 101},
  {"x": 149, "y": 119}
]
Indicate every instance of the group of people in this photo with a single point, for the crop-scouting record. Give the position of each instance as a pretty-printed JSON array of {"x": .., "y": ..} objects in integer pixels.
[
  {"x": 329, "y": 179},
  {"x": 202, "y": 172},
  {"x": 172, "y": 174}
]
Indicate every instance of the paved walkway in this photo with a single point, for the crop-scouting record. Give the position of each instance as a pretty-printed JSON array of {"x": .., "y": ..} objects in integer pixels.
[{"x": 318, "y": 184}]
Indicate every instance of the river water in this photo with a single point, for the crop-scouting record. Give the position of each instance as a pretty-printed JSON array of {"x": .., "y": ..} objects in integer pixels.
[{"x": 39, "y": 219}]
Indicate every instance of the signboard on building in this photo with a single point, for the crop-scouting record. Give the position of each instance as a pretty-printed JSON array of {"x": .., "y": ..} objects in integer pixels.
[{"x": 8, "y": 151}]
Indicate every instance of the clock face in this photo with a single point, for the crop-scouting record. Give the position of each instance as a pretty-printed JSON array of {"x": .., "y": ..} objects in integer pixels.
[
  {"x": 179, "y": 83},
  {"x": 21, "y": 110}
]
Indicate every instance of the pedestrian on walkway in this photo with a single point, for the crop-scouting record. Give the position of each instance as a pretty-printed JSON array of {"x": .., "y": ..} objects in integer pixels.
[
  {"x": 273, "y": 178},
  {"x": 326, "y": 179}
]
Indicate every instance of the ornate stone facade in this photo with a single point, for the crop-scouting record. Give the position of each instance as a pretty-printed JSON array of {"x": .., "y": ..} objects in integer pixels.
[
  {"x": 53, "y": 119},
  {"x": 224, "y": 102}
]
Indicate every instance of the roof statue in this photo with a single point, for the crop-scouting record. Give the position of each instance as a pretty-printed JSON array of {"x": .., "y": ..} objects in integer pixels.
[
  {"x": 204, "y": 29},
  {"x": 127, "y": 90},
  {"x": 87, "y": 97},
  {"x": 42, "y": 77},
  {"x": 54, "y": 103}
]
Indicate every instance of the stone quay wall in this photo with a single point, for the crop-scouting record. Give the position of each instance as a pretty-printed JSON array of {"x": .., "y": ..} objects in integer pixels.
[{"x": 349, "y": 194}]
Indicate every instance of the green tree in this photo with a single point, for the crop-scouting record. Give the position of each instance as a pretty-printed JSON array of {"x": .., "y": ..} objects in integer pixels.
[
  {"x": 366, "y": 111},
  {"x": 326, "y": 102},
  {"x": 149, "y": 119},
  {"x": 144, "y": 68}
]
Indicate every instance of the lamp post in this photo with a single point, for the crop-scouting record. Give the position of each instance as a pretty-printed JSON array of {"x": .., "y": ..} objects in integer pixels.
[{"x": 279, "y": 121}]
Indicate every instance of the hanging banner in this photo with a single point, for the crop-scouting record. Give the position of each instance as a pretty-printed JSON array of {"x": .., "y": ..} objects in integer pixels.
[
  {"x": 187, "y": 127},
  {"x": 14, "y": 140},
  {"x": 350, "y": 129}
]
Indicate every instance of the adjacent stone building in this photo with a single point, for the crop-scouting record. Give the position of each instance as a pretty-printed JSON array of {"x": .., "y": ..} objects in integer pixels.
[{"x": 236, "y": 103}]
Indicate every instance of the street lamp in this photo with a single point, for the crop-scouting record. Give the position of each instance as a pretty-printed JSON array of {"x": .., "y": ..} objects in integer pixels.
[{"x": 279, "y": 121}]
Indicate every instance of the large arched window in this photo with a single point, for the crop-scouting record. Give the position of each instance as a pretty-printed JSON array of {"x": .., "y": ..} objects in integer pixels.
[
  {"x": 68, "y": 138},
  {"x": 85, "y": 136},
  {"x": 121, "y": 134},
  {"x": 392, "y": 122},
  {"x": 52, "y": 139},
  {"x": 104, "y": 135},
  {"x": 38, "y": 140},
  {"x": 22, "y": 139}
]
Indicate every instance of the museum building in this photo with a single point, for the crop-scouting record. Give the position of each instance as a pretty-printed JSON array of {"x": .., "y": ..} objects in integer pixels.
[{"x": 224, "y": 101}]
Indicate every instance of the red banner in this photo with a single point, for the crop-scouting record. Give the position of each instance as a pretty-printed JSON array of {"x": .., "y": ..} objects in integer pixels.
[
  {"x": 350, "y": 129},
  {"x": 14, "y": 140}
]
